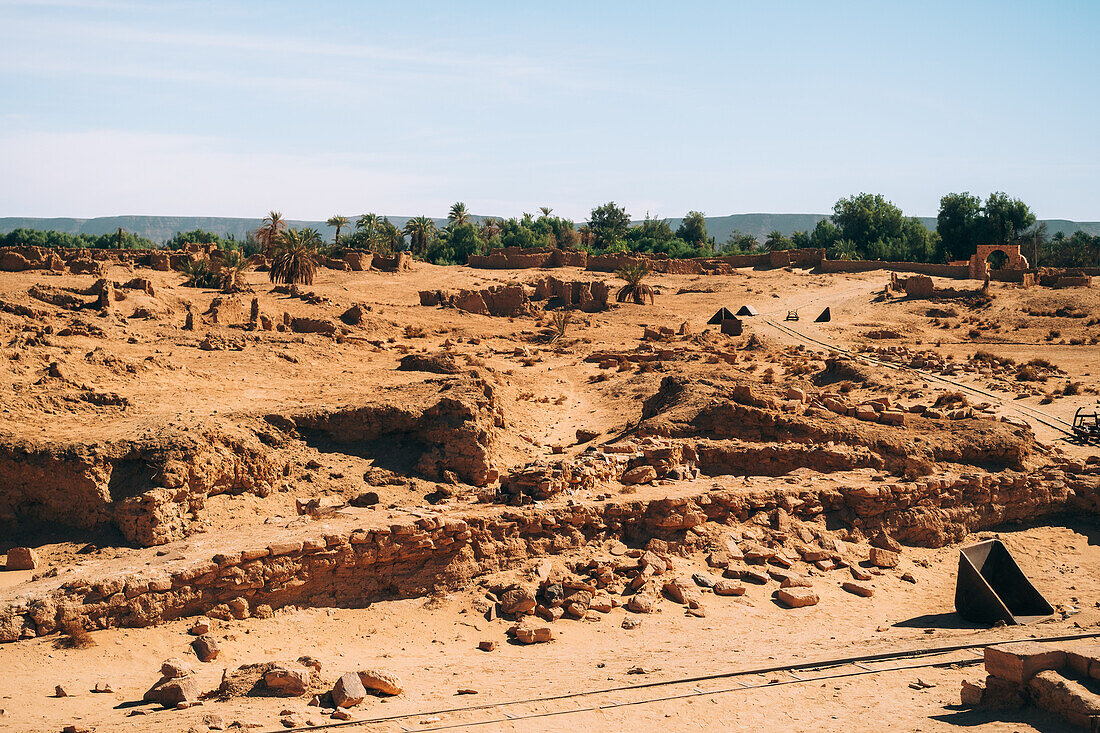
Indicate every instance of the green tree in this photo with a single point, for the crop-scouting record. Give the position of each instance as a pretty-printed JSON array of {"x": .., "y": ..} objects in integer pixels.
[
  {"x": 775, "y": 241},
  {"x": 742, "y": 242},
  {"x": 339, "y": 222},
  {"x": 458, "y": 214},
  {"x": 868, "y": 220},
  {"x": 421, "y": 230},
  {"x": 960, "y": 224},
  {"x": 825, "y": 235},
  {"x": 1006, "y": 218},
  {"x": 545, "y": 210},
  {"x": 608, "y": 224},
  {"x": 489, "y": 228},
  {"x": 693, "y": 229},
  {"x": 196, "y": 236},
  {"x": 454, "y": 245},
  {"x": 272, "y": 225},
  {"x": 295, "y": 256}
]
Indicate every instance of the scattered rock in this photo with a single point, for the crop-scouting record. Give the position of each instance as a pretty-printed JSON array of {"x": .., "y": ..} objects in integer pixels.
[
  {"x": 797, "y": 597},
  {"x": 206, "y": 648},
  {"x": 639, "y": 475},
  {"x": 858, "y": 589},
  {"x": 881, "y": 558},
  {"x": 175, "y": 667},
  {"x": 21, "y": 558},
  {"x": 381, "y": 680},
  {"x": 348, "y": 691},
  {"x": 287, "y": 682}
]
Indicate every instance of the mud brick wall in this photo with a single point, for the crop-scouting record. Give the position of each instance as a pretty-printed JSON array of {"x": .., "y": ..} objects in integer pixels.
[{"x": 352, "y": 567}]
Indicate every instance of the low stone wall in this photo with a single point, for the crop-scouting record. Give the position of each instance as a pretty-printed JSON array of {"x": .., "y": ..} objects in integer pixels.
[
  {"x": 352, "y": 566},
  {"x": 517, "y": 258},
  {"x": 925, "y": 268}
]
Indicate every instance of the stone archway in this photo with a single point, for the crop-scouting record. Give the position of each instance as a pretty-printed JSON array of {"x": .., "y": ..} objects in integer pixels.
[
  {"x": 997, "y": 259},
  {"x": 989, "y": 258}
]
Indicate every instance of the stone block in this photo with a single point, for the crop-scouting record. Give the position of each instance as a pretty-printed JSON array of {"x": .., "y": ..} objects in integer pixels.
[{"x": 1020, "y": 662}]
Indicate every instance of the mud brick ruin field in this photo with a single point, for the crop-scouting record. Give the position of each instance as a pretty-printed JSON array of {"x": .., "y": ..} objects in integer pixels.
[{"x": 431, "y": 497}]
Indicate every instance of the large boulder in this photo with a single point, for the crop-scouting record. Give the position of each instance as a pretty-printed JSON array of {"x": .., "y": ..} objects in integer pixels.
[{"x": 381, "y": 680}]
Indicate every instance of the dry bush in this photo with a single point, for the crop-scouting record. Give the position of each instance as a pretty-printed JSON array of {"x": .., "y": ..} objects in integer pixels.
[
  {"x": 768, "y": 377},
  {"x": 951, "y": 398},
  {"x": 973, "y": 333},
  {"x": 989, "y": 357},
  {"x": 414, "y": 332},
  {"x": 1027, "y": 373},
  {"x": 73, "y": 634},
  {"x": 1071, "y": 389},
  {"x": 1041, "y": 363}
]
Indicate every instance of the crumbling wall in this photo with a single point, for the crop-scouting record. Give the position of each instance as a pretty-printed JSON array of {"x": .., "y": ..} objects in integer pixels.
[
  {"x": 356, "y": 565},
  {"x": 451, "y": 423},
  {"x": 499, "y": 300},
  {"x": 589, "y": 295},
  {"x": 146, "y": 489}
]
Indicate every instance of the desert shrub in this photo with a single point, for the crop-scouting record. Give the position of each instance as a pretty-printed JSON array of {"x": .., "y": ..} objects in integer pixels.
[
  {"x": 73, "y": 634},
  {"x": 951, "y": 398},
  {"x": 1041, "y": 363},
  {"x": 559, "y": 322},
  {"x": 1027, "y": 373},
  {"x": 973, "y": 333},
  {"x": 1071, "y": 389},
  {"x": 198, "y": 274}
]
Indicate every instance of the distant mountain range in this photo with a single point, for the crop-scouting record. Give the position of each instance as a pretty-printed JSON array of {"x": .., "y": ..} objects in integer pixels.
[{"x": 162, "y": 228}]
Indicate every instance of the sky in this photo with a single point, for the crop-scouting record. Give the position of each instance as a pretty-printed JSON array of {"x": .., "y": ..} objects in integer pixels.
[{"x": 232, "y": 108}]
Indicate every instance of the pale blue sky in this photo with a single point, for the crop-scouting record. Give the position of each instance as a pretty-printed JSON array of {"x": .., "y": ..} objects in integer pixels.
[{"x": 228, "y": 108}]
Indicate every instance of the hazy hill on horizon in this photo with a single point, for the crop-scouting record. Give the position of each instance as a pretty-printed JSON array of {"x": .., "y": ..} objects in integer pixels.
[{"x": 162, "y": 228}]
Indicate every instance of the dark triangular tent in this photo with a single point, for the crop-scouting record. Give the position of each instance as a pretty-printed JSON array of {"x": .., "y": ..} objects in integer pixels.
[
  {"x": 991, "y": 587},
  {"x": 746, "y": 310},
  {"x": 732, "y": 326},
  {"x": 825, "y": 317},
  {"x": 722, "y": 315}
]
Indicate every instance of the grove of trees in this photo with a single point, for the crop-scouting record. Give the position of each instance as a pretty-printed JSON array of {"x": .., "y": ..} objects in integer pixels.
[{"x": 862, "y": 226}]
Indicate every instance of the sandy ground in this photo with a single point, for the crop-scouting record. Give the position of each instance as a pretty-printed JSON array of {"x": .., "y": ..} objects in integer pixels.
[{"x": 432, "y": 642}]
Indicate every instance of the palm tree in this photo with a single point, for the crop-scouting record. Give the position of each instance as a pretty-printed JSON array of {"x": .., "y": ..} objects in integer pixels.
[
  {"x": 458, "y": 213},
  {"x": 845, "y": 249},
  {"x": 295, "y": 261},
  {"x": 776, "y": 241},
  {"x": 269, "y": 230},
  {"x": 586, "y": 234},
  {"x": 368, "y": 224},
  {"x": 232, "y": 272},
  {"x": 490, "y": 227},
  {"x": 634, "y": 289},
  {"x": 420, "y": 229},
  {"x": 339, "y": 222},
  {"x": 545, "y": 210}
]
